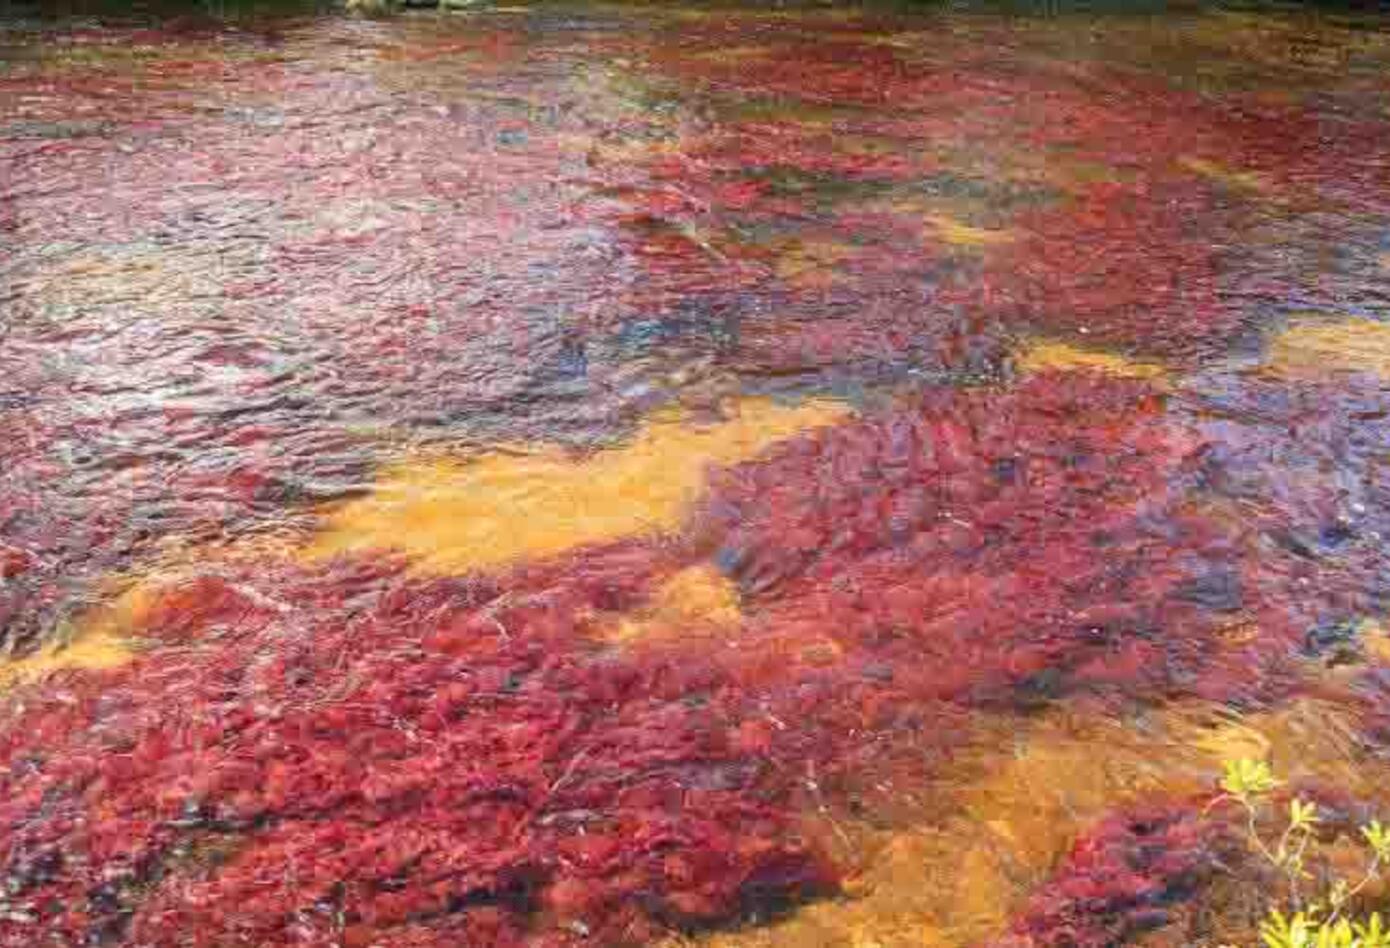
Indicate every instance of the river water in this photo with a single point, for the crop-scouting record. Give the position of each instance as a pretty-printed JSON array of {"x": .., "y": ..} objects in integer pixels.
[{"x": 655, "y": 474}]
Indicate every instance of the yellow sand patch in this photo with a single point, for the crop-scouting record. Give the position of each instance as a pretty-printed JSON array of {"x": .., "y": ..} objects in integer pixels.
[
  {"x": 99, "y": 640},
  {"x": 1376, "y": 639},
  {"x": 868, "y": 144},
  {"x": 1320, "y": 347},
  {"x": 451, "y": 516},
  {"x": 627, "y": 151},
  {"x": 946, "y": 219},
  {"x": 916, "y": 40},
  {"x": 1384, "y": 261},
  {"x": 1066, "y": 772},
  {"x": 89, "y": 652},
  {"x": 698, "y": 598},
  {"x": 959, "y": 234},
  {"x": 99, "y": 277},
  {"x": 1040, "y": 356},
  {"x": 105, "y": 635},
  {"x": 179, "y": 557},
  {"x": 1230, "y": 177}
]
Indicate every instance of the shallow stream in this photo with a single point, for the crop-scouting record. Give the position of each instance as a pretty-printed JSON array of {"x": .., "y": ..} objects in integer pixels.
[{"x": 581, "y": 474}]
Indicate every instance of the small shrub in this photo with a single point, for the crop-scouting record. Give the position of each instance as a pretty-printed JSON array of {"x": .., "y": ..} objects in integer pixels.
[{"x": 1326, "y": 920}]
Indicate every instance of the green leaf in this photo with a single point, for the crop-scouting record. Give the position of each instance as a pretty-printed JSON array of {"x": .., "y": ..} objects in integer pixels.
[
  {"x": 1246, "y": 778},
  {"x": 1378, "y": 838},
  {"x": 1371, "y": 933},
  {"x": 1338, "y": 894},
  {"x": 1302, "y": 814},
  {"x": 1277, "y": 931}
]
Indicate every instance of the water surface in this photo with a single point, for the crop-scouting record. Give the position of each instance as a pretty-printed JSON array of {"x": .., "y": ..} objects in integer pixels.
[{"x": 558, "y": 474}]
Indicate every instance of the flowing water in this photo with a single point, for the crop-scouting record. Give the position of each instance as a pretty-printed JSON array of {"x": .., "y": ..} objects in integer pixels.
[{"x": 583, "y": 474}]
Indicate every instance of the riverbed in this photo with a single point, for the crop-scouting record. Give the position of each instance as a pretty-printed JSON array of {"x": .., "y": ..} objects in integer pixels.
[{"x": 557, "y": 474}]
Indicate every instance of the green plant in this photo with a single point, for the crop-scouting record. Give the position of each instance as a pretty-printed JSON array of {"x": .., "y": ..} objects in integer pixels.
[
  {"x": 1305, "y": 923},
  {"x": 1309, "y": 930}
]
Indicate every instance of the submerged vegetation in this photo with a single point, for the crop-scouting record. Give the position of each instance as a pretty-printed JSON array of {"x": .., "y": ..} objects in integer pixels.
[{"x": 614, "y": 475}]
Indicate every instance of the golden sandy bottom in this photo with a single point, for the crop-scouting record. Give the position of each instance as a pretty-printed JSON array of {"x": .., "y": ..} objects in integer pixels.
[
  {"x": 450, "y": 516},
  {"x": 696, "y": 600},
  {"x": 1043, "y": 355},
  {"x": 99, "y": 640},
  {"x": 1320, "y": 347}
]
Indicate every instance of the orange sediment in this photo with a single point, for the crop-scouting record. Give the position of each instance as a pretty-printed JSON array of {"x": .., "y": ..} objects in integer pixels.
[
  {"x": 1044, "y": 355},
  {"x": 451, "y": 516},
  {"x": 1319, "y": 347},
  {"x": 698, "y": 599},
  {"x": 96, "y": 641}
]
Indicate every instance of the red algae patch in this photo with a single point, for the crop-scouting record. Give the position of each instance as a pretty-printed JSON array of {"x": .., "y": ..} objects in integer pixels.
[
  {"x": 1121, "y": 878},
  {"x": 956, "y": 667},
  {"x": 877, "y": 605},
  {"x": 362, "y": 757},
  {"x": 1119, "y": 264},
  {"x": 984, "y": 545},
  {"x": 473, "y": 757}
]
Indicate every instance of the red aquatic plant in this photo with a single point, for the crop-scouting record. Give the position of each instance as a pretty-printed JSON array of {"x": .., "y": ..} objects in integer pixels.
[
  {"x": 1122, "y": 878},
  {"x": 511, "y": 265},
  {"x": 240, "y": 365},
  {"x": 1120, "y": 265},
  {"x": 341, "y": 752},
  {"x": 349, "y": 756},
  {"x": 1000, "y": 545}
]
